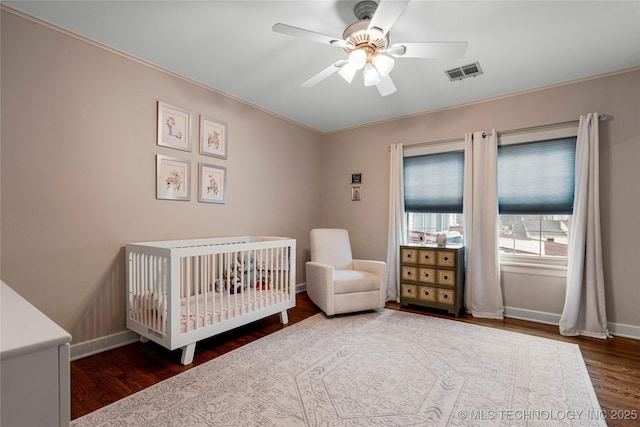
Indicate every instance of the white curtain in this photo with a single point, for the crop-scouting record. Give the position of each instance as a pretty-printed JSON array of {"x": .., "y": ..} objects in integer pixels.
[
  {"x": 482, "y": 294},
  {"x": 584, "y": 310},
  {"x": 396, "y": 232}
]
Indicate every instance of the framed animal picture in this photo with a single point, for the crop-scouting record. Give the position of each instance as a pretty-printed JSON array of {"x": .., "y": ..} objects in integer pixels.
[
  {"x": 174, "y": 127},
  {"x": 173, "y": 178},
  {"x": 212, "y": 187},
  {"x": 213, "y": 137}
]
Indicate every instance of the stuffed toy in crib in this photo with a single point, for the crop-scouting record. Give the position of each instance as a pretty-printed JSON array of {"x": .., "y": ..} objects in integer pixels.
[{"x": 237, "y": 276}]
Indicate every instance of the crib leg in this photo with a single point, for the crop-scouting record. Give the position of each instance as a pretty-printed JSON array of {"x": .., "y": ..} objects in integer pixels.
[
  {"x": 187, "y": 354},
  {"x": 284, "y": 317},
  {"x": 144, "y": 339}
]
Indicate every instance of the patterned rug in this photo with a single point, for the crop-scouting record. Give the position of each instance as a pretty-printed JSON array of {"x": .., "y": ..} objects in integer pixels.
[{"x": 383, "y": 368}]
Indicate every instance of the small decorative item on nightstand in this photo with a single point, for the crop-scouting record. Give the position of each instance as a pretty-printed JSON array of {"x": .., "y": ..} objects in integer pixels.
[
  {"x": 441, "y": 239},
  {"x": 432, "y": 276}
]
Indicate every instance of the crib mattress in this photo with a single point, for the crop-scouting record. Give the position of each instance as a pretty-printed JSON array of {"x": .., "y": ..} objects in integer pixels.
[{"x": 202, "y": 310}]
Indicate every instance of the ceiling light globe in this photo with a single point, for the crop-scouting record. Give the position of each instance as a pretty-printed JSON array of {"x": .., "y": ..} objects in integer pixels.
[
  {"x": 358, "y": 58},
  {"x": 347, "y": 72},
  {"x": 371, "y": 76},
  {"x": 384, "y": 64}
]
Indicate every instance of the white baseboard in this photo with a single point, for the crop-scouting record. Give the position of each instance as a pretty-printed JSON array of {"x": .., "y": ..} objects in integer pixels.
[
  {"x": 616, "y": 329},
  {"x": 532, "y": 315},
  {"x": 301, "y": 287},
  {"x": 626, "y": 331},
  {"x": 99, "y": 345}
]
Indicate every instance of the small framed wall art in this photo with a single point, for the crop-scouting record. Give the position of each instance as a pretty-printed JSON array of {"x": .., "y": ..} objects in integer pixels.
[
  {"x": 213, "y": 137},
  {"x": 356, "y": 178},
  {"x": 212, "y": 186},
  {"x": 174, "y": 127},
  {"x": 173, "y": 178},
  {"x": 356, "y": 193}
]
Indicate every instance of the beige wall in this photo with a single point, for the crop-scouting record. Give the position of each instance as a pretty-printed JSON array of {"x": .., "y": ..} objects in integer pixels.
[
  {"x": 78, "y": 173},
  {"x": 365, "y": 150}
]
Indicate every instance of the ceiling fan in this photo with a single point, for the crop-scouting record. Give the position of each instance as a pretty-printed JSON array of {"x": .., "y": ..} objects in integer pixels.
[{"x": 367, "y": 44}]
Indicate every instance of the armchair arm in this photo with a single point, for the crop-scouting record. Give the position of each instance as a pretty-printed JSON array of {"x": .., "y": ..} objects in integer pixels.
[
  {"x": 320, "y": 287},
  {"x": 379, "y": 268}
]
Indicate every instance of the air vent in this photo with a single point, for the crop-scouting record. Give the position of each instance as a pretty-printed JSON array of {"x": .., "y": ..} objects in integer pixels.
[{"x": 465, "y": 71}]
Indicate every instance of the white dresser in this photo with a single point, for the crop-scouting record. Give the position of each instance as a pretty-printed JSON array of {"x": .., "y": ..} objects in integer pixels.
[{"x": 34, "y": 365}]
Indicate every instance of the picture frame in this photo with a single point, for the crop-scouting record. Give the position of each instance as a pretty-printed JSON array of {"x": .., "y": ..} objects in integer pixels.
[
  {"x": 356, "y": 178},
  {"x": 356, "y": 193},
  {"x": 212, "y": 184},
  {"x": 174, "y": 127},
  {"x": 173, "y": 178},
  {"x": 213, "y": 137}
]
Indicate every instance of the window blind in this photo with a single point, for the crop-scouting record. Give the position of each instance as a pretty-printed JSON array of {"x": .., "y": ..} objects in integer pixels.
[
  {"x": 434, "y": 182},
  {"x": 537, "y": 178}
]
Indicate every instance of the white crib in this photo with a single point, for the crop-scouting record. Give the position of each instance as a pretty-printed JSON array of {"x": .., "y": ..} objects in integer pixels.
[{"x": 182, "y": 291}]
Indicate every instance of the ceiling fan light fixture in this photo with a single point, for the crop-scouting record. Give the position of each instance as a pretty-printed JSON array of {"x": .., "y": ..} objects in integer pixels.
[
  {"x": 357, "y": 59},
  {"x": 384, "y": 64},
  {"x": 371, "y": 75},
  {"x": 347, "y": 72}
]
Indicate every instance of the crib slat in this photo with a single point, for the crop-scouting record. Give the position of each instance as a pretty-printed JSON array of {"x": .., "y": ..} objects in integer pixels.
[
  {"x": 185, "y": 293},
  {"x": 205, "y": 287},
  {"x": 195, "y": 264}
]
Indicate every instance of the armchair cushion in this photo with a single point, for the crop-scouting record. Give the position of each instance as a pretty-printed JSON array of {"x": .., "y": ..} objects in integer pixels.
[
  {"x": 348, "y": 281},
  {"x": 331, "y": 246}
]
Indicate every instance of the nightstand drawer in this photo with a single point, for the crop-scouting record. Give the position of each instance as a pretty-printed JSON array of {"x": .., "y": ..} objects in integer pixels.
[
  {"x": 409, "y": 256},
  {"x": 446, "y": 296},
  {"x": 409, "y": 273},
  {"x": 447, "y": 258},
  {"x": 408, "y": 291},
  {"x": 427, "y": 275},
  {"x": 446, "y": 277},
  {"x": 426, "y": 293},
  {"x": 427, "y": 257}
]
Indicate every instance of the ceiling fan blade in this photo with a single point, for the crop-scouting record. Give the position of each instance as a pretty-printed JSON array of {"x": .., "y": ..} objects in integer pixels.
[
  {"x": 307, "y": 34},
  {"x": 317, "y": 78},
  {"x": 386, "y": 86},
  {"x": 429, "y": 50},
  {"x": 387, "y": 14}
]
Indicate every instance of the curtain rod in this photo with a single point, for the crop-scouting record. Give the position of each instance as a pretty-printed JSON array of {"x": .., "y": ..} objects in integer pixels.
[{"x": 601, "y": 117}]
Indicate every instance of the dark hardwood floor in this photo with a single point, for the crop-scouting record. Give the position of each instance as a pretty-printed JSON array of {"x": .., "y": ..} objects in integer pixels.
[{"x": 96, "y": 381}]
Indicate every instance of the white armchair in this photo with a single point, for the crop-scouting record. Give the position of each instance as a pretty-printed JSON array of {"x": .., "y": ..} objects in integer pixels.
[{"x": 336, "y": 283}]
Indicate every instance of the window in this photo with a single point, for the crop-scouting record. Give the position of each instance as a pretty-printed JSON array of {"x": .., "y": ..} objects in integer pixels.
[
  {"x": 536, "y": 235},
  {"x": 423, "y": 227},
  {"x": 535, "y": 196},
  {"x": 433, "y": 185}
]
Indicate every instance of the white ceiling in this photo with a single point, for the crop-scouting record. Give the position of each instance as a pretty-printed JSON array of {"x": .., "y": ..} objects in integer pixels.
[{"x": 229, "y": 46}]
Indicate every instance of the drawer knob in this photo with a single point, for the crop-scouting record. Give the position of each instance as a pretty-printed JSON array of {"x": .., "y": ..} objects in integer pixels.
[
  {"x": 446, "y": 277},
  {"x": 445, "y": 296}
]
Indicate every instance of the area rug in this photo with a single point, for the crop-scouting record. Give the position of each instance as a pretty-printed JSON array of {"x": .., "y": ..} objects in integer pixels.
[{"x": 382, "y": 368}]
